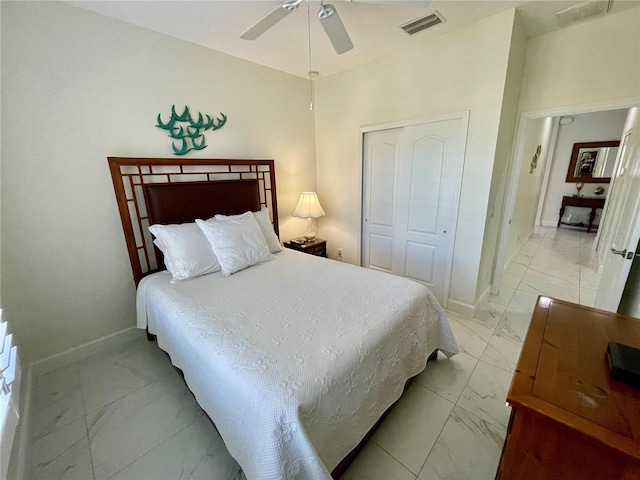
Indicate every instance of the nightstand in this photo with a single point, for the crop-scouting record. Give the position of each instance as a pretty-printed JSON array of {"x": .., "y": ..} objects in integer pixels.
[{"x": 317, "y": 247}]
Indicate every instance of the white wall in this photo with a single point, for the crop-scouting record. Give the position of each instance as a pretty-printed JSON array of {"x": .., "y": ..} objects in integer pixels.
[
  {"x": 530, "y": 183},
  {"x": 587, "y": 63},
  {"x": 78, "y": 87},
  {"x": 460, "y": 71},
  {"x": 588, "y": 127},
  {"x": 506, "y": 131}
]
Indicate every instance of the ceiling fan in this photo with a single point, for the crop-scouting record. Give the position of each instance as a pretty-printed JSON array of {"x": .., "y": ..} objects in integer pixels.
[{"x": 329, "y": 19}]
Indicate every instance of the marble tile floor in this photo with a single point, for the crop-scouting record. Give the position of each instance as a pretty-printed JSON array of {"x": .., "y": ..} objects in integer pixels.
[{"x": 126, "y": 413}]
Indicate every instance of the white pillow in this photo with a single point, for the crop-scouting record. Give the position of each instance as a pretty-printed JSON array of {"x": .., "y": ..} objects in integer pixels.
[
  {"x": 264, "y": 222},
  {"x": 237, "y": 242},
  {"x": 187, "y": 253}
]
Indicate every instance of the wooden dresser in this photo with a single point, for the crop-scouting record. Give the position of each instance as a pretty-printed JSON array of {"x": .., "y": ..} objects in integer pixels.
[{"x": 569, "y": 418}]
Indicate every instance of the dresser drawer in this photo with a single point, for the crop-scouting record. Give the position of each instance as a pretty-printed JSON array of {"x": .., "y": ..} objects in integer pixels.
[{"x": 317, "y": 247}]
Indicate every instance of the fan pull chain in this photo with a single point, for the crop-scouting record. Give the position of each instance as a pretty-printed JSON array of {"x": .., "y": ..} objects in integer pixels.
[{"x": 311, "y": 73}]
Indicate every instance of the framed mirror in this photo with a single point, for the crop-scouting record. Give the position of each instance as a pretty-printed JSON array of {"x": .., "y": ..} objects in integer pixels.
[{"x": 592, "y": 162}]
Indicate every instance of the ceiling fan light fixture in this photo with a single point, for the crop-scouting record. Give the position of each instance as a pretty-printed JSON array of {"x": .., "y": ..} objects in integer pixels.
[
  {"x": 326, "y": 11},
  {"x": 291, "y": 5}
]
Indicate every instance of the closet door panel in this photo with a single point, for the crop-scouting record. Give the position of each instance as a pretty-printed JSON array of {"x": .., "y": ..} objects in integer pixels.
[
  {"x": 411, "y": 186},
  {"x": 424, "y": 184},
  {"x": 381, "y": 252},
  {"x": 383, "y": 167},
  {"x": 420, "y": 262},
  {"x": 383, "y": 153}
]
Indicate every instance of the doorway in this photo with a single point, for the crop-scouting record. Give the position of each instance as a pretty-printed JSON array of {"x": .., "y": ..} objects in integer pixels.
[{"x": 520, "y": 158}]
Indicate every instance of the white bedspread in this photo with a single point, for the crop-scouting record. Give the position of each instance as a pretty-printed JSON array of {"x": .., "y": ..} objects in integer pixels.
[{"x": 294, "y": 359}]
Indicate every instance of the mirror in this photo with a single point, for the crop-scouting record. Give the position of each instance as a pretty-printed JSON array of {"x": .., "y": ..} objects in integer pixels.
[{"x": 592, "y": 162}]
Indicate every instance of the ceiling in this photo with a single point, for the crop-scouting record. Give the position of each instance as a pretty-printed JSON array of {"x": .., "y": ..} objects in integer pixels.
[{"x": 374, "y": 29}]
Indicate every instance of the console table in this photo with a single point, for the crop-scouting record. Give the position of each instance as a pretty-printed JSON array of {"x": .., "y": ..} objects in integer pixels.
[
  {"x": 569, "y": 418},
  {"x": 585, "y": 202}
]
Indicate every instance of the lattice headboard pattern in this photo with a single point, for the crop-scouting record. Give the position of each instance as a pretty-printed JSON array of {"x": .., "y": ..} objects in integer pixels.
[{"x": 133, "y": 176}]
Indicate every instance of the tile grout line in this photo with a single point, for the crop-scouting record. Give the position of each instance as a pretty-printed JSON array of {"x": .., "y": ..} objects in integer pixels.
[
  {"x": 391, "y": 455},
  {"x": 437, "y": 438},
  {"x": 86, "y": 428},
  {"x": 154, "y": 448},
  {"x": 86, "y": 424}
]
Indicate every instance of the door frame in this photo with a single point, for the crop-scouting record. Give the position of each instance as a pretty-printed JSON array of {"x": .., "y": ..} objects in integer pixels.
[
  {"x": 627, "y": 203},
  {"x": 553, "y": 140},
  {"x": 462, "y": 115},
  {"x": 515, "y": 166}
]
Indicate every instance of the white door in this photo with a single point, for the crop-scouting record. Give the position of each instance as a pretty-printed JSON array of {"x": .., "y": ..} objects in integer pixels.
[
  {"x": 382, "y": 162},
  {"x": 623, "y": 219},
  {"x": 412, "y": 178}
]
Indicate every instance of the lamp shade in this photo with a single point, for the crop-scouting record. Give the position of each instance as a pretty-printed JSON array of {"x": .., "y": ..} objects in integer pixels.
[{"x": 308, "y": 206}]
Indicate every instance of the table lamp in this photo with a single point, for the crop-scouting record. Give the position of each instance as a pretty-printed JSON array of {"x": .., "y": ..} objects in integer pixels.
[{"x": 308, "y": 207}]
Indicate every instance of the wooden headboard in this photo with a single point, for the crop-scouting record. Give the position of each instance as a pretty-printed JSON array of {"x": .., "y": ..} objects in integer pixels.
[{"x": 169, "y": 190}]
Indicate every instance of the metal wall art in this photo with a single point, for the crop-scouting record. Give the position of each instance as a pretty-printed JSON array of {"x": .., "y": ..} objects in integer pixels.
[
  {"x": 534, "y": 160},
  {"x": 189, "y": 134}
]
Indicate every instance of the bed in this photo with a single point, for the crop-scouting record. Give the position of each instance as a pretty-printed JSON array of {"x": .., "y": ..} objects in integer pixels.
[{"x": 295, "y": 359}]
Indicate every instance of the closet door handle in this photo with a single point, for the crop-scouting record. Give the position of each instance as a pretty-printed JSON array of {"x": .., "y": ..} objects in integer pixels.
[{"x": 619, "y": 252}]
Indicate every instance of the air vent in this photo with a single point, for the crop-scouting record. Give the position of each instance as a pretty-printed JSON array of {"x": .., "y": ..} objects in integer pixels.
[
  {"x": 583, "y": 11},
  {"x": 423, "y": 23}
]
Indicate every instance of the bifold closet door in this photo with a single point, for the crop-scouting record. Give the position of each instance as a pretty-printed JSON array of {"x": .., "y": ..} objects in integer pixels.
[{"x": 411, "y": 185}]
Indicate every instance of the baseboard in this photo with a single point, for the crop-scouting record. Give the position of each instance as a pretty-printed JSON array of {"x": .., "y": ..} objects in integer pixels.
[
  {"x": 549, "y": 223},
  {"x": 508, "y": 263},
  {"x": 21, "y": 459},
  {"x": 81, "y": 352},
  {"x": 482, "y": 299},
  {"x": 461, "y": 307}
]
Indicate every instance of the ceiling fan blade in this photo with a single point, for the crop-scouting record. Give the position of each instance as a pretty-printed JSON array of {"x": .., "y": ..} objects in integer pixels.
[
  {"x": 267, "y": 22},
  {"x": 334, "y": 28}
]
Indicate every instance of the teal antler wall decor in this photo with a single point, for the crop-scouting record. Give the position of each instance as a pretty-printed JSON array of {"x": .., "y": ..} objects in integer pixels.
[{"x": 189, "y": 136}]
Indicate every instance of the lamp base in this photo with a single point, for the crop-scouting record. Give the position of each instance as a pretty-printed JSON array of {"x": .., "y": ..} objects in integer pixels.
[{"x": 310, "y": 235}]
